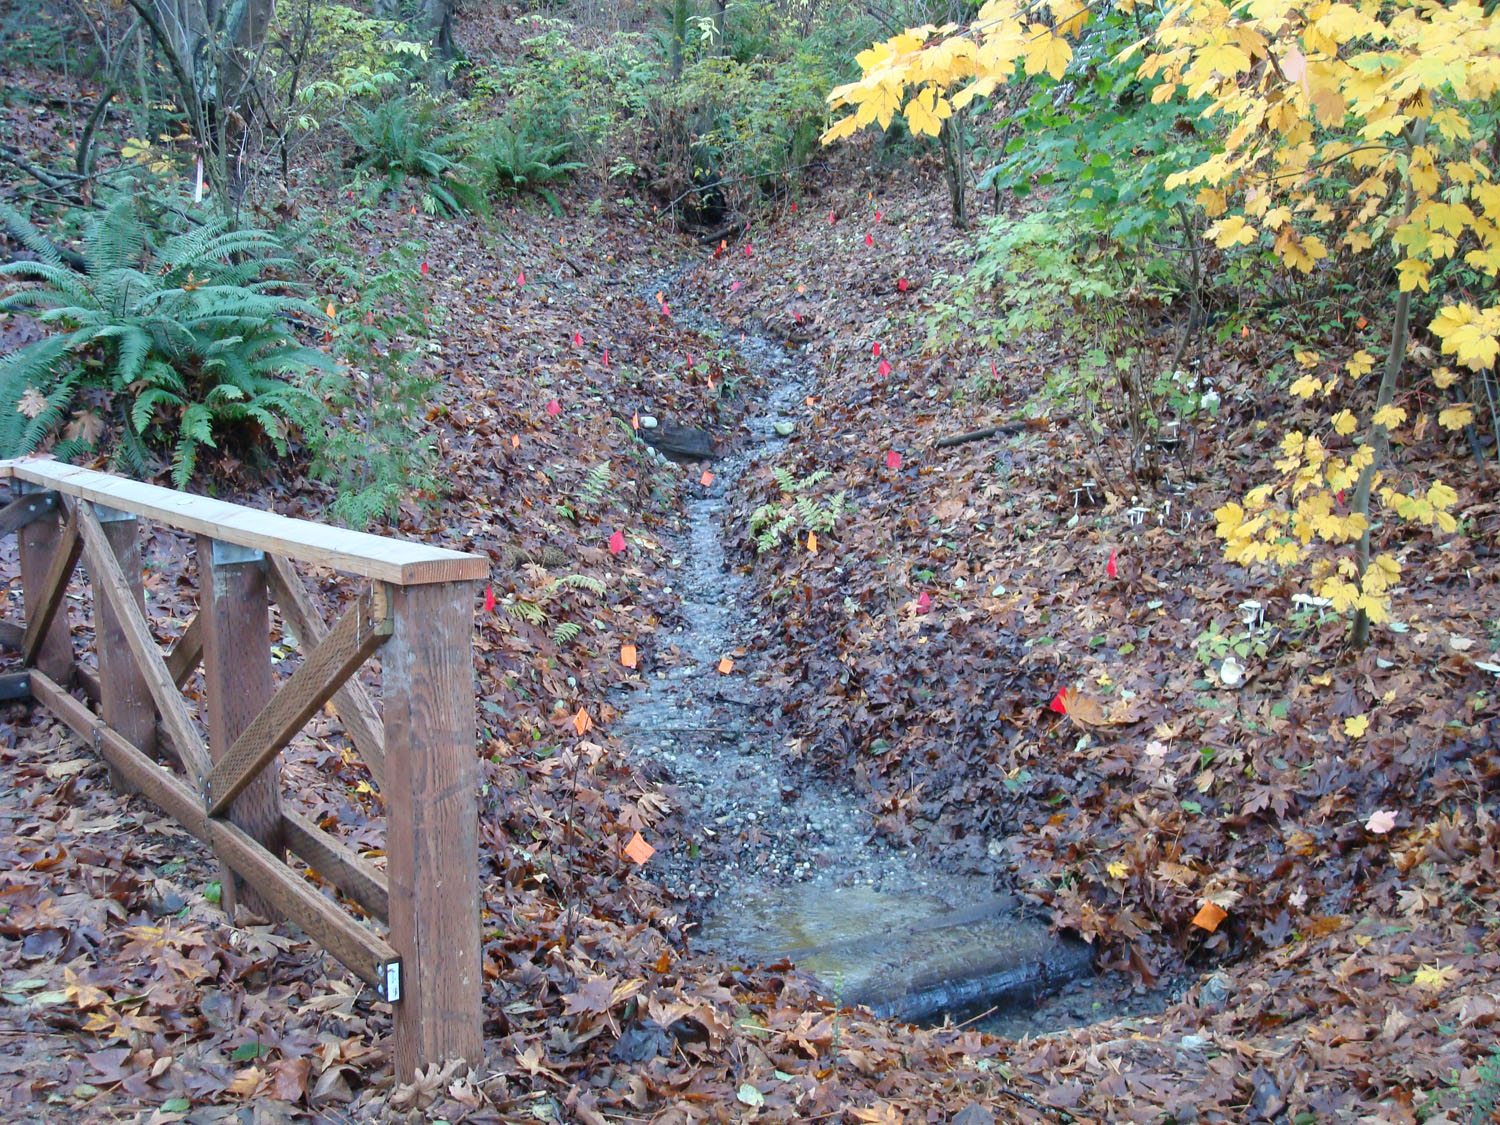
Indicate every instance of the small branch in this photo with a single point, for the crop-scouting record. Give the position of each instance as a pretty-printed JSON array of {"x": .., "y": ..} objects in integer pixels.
[
  {"x": 978, "y": 435},
  {"x": 46, "y": 179}
]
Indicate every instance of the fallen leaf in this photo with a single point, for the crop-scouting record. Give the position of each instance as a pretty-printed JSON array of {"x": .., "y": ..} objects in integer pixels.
[
  {"x": 638, "y": 850},
  {"x": 627, "y": 655},
  {"x": 1356, "y": 725},
  {"x": 812, "y": 542},
  {"x": 554, "y": 408},
  {"x": 901, "y": 285},
  {"x": 582, "y": 723},
  {"x": 706, "y": 479},
  {"x": 1381, "y": 821},
  {"x": 1209, "y": 915},
  {"x": 617, "y": 542},
  {"x": 924, "y": 603},
  {"x": 869, "y": 240},
  {"x": 246, "y": 1082},
  {"x": 1110, "y": 568},
  {"x": 1060, "y": 701},
  {"x": 885, "y": 368},
  {"x": 892, "y": 459},
  {"x": 489, "y": 599},
  {"x": 1434, "y": 977}
]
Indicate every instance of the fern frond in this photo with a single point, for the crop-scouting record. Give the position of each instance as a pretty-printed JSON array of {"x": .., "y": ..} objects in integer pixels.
[
  {"x": 594, "y": 485},
  {"x": 526, "y": 611},
  {"x": 22, "y": 230},
  {"x": 566, "y": 632},
  {"x": 583, "y": 581}
]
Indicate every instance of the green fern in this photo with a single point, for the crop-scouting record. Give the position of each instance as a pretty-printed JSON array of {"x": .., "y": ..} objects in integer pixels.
[
  {"x": 526, "y": 611},
  {"x": 512, "y": 159},
  {"x": 181, "y": 334},
  {"x": 566, "y": 632},
  {"x": 400, "y": 138},
  {"x": 795, "y": 510},
  {"x": 577, "y": 581},
  {"x": 595, "y": 486}
]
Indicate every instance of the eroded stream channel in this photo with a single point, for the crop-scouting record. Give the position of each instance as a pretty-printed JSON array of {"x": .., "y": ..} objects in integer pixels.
[{"x": 777, "y": 863}]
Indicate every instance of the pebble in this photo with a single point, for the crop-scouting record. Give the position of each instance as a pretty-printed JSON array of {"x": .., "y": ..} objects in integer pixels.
[{"x": 648, "y": 422}]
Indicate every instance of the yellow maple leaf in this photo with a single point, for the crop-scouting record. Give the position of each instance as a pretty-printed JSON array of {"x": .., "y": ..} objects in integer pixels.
[
  {"x": 1469, "y": 334},
  {"x": 1413, "y": 274},
  {"x": 1389, "y": 416},
  {"x": 1434, "y": 977},
  {"x": 1307, "y": 386},
  {"x": 926, "y": 111},
  {"x": 1117, "y": 870},
  {"x": 1344, "y": 423},
  {"x": 1047, "y": 52},
  {"x": 1233, "y": 231},
  {"x": 840, "y": 129},
  {"x": 1356, "y": 725},
  {"x": 1456, "y": 417}
]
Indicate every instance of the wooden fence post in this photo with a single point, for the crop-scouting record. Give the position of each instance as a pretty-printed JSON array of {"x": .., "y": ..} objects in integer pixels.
[
  {"x": 39, "y": 540},
  {"x": 125, "y": 701},
  {"x": 236, "y": 630},
  {"x": 432, "y": 822}
]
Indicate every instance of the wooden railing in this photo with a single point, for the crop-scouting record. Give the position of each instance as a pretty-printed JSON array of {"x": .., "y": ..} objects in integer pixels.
[{"x": 416, "y": 610}]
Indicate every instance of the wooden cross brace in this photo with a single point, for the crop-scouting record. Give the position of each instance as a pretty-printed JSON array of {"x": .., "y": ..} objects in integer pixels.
[{"x": 363, "y": 628}]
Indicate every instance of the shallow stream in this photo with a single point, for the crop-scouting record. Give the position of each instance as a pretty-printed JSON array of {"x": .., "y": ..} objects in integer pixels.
[{"x": 774, "y": 861}]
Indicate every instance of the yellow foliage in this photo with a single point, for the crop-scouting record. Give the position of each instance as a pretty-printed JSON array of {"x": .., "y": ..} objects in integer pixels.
[
  {"x": 1456, "y": 417},
  {"x": 1351, "y": 118}
]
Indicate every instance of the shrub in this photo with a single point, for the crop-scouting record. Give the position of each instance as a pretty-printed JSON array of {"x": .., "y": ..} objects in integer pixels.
[
  {"x": 511, "y": 159},
  {"x": 184, "y": 336},
  {"x": 400, "y": 139},
  {"x": 370, "y": 448}
]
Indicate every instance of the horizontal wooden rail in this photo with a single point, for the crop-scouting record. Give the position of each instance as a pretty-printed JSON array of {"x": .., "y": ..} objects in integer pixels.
[
  {"x": 388, "y": 560},
  {"x": 225, "y": 789}
]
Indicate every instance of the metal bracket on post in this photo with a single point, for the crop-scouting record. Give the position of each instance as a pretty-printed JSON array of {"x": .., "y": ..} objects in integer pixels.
[
  {"x": 105, "y": 514},
  {"x": 232, "y": 554},
  {"x": 388, "y": 987}
]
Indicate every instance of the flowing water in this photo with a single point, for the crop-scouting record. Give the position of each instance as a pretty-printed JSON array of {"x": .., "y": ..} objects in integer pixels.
[{"x": 777, "y": 863}]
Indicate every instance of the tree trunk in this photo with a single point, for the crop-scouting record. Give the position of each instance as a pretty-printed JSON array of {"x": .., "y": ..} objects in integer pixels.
[
  {"x": 955, "y": 170},
  {"x": 213, "y": 51},
  {"x": 437, "y": 19}
]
